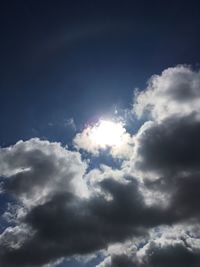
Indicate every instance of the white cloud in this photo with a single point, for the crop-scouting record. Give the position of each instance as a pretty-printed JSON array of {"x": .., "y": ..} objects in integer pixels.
[
  {"x": 176, "y": 92},
  {"x": 35, "y": 169},
  {"x": 122, "y": 149},
  {"x": 14, "y": 237}
]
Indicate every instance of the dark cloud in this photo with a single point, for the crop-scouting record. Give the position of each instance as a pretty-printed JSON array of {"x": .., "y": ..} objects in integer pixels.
[
  {"x": 186, "y": 197},
  {"x": 128, "y": 207},
  {"x": 182, "y": 196},
  {"x": 157, "y": 255},
  {"x": 169, "y": 147},
  {"x": 68, "y": 225},
  {"x": 118, "y": 261},
  {"x": 170, "y": 151},
  {"x": 171, "y": 255}
]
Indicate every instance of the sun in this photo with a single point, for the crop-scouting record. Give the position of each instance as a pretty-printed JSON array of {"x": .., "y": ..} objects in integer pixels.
[{"x": 107, "y": 133}]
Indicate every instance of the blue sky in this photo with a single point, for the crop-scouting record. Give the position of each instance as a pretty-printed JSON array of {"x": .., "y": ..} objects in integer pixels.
[{"x": 78, "y": 59}]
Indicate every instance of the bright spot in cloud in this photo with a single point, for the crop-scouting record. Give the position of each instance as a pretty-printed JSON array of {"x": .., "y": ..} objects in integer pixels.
[{"x": 107, "y": 133}]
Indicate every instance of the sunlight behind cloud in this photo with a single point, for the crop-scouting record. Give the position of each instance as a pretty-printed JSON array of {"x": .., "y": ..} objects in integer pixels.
[{"x": 107, "y": 133}]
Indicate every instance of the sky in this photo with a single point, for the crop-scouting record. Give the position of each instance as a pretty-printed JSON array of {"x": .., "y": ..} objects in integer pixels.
[{"x": 99, "y": 140}]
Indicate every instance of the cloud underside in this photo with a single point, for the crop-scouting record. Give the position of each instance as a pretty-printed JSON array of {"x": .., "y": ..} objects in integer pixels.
[{"x": 146, "y": 213}]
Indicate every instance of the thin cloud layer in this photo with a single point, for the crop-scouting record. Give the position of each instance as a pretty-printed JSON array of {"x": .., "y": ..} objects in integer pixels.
[{"x": 64, "y": 210}]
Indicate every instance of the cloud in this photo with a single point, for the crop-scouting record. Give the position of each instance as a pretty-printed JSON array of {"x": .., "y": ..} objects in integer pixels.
[
  {"x": 170, "y": 255},
  {"x": 84, "y": 141},
  {"x": 173, "y": 93},
  {"x": 169, "y": 147},
  {"x": 35, "y": 169},
  {"x": 67, "y": 225},
  {"x": 166, "y": 246},
  {"x": 171, "y": 246},
  {"x": 64, "y": 221},
  {"x": 145, "y": 213},
  {"x": 118, "y": 261}
]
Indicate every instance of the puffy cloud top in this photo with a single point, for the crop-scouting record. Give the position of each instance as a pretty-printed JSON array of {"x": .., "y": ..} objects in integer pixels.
[
  {"x": 176, "y": 92},
  {"x": 35, "y": 169}
]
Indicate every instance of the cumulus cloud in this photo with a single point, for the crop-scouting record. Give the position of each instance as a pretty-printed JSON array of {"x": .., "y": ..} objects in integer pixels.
[
  {"x": 121, "y": 150},
  {"x": 145, "y": 213},
  {"x": 63, "y": 223},
  {"x": 169, "y": 147},
  {"x": 173, "y": 93},
  {"x": 166, "y": 246},
  {"x": 68, "y": 225},
  {"x": 35, "y": 169}
]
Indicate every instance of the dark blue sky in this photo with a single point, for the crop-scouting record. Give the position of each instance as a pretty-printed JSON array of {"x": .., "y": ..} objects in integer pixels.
[{"x": 63, "y": 59}]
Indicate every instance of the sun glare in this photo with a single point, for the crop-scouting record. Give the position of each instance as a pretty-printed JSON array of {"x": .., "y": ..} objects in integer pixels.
[{"x": 107, "y": 133}]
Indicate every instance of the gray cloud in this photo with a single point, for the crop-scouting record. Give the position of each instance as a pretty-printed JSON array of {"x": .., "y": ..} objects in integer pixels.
[
  {"x": 169, "y": 147},
  {"x": 174, "y": 247},
  {"x": 35, "y": 169},
  {"x": 68, "y": 225},
  {"x": 118, "y": 261},
  {"x": 171, "y": 255},
  {"x": 63, "y": 211}
]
